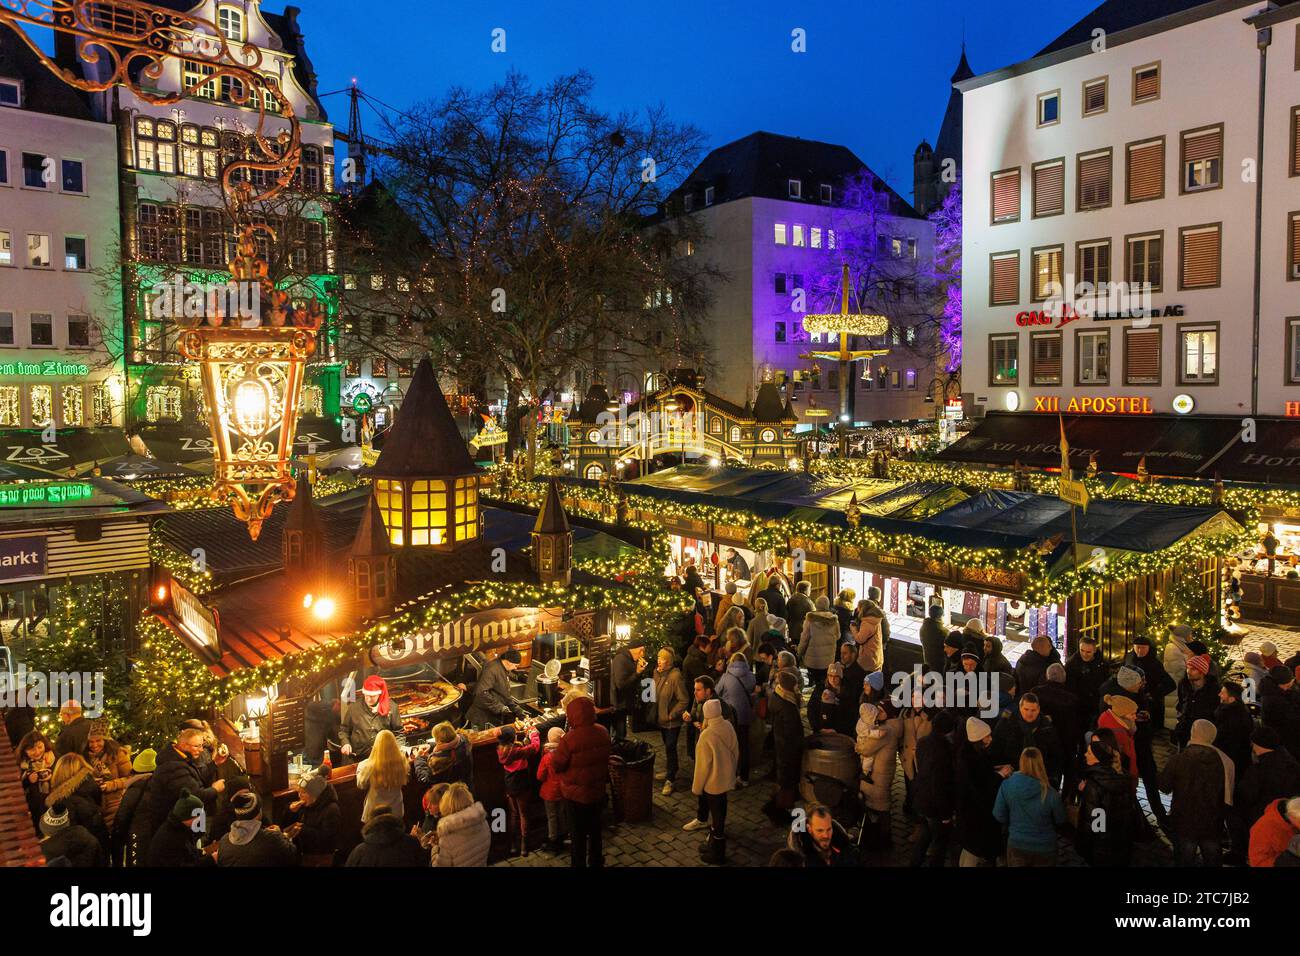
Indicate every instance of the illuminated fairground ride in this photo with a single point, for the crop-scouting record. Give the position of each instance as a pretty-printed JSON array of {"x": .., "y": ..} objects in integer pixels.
[{"x": 252, "y": 371}]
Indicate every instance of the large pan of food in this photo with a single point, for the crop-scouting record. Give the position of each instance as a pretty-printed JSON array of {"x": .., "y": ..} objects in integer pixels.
[{"x": 423, "y": 698}]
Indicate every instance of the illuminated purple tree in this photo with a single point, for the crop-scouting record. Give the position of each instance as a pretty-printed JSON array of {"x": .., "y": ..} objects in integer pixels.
[{"x": 947, "y": 266}]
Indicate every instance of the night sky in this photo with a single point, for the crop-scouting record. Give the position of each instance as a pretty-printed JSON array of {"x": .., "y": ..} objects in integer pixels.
[{"x": 875, "y": 76}]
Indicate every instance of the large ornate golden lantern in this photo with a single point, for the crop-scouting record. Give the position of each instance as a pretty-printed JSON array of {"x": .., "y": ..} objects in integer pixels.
[{"x": 252, "y": 368}]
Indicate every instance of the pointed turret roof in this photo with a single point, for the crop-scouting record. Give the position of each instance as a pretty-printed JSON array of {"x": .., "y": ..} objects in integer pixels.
[
  {"x": 552, "y": 519},
  {"x": 963, "y": 71},
  {"x": 948, "y": 145},
  {"x": 302, "y": 514},
  {"x": 425, "y": 439},
  {"x": 768, "y": 406},
  {"x": 372, "y": 537},
  {"x": 595, "y": 403},
  {"x": 788, "y": 415}
]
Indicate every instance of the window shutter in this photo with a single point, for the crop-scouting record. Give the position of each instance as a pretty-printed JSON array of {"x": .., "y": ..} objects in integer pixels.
[
  {"x": 1146, "y": 84},
  {"x": 1295, "y": 141},
  {"x": 1049, "y": 189},
  {"x": 1142, "y": 357},
  {"x": 1295, "y": 247},
  {"x": 1006, "y": 196},
  {"x": 1047, "y": 359},
  {"x": 1203, "y": 145},
  {"x": 1146, "y": 171},
  {"x": 1200, "y": 258},
  {"x": 1094, "y": 97},
  {"x": 1006, "y": 280},
  {"x": 1094, "y": 180},
  {"x": 1047, "y": 270}
]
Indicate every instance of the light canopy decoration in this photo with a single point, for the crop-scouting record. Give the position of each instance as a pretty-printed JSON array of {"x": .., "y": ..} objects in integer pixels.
[{"x": 252, "y": 373}]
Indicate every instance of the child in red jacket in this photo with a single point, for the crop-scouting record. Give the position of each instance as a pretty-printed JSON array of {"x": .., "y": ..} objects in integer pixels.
[
  {"x": 557, "y": 823},
  {"x": 516, "y": 762}
]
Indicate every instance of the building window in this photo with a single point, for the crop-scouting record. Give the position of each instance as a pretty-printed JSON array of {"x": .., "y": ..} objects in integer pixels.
[
  {"x": 1093, "y": 265},
  {"x": 192, "y": 74},
  {"x": 779, "y": 332},
  {"x": 38, "y": 250},
  {"x": 42, "y": 329},
  {"x": 379, "y": 367},
  {"x": 795, "y": 189},
  {"x": 780, "y": 234},
  {"x": 74, "y": 253},
  {"x": 1144, "y": 260},
  {"x": 41, "y": 402},
  {"x": 830, "y": 238},
  {"x": 1293, "y": 247},
  {"x": 34, "y": 170},
  {"x": 1199, "y": 255},
  {"x": 688, "y": 202},
  {"x": 1004, "y": 278},
  {"x": 1199, "y": 351},
  {"x": 1142, "y": 356},
  {"x": 163, "y": 403},
  {"x": 1006, "y": 196},
  {"x": 1144, "y": 177},
  {"x": 10, "y": 412},
  {"x": 466, "y": 508},
  {"x": 799, "y": 235},
  {"x": 1004, "y": 359},
  {"x": 1048, "y": 185},
  {"x": 7, "y": 328},
  {"x": 1203, "y": 159},
  {"x": 708, "y": 195},
  {"x": 1048, "y": 276},
  {"x": 1146, "y": 83},
  {"x": 1094, "y": 180},
  {"x": 78, "y": 331},
  {"x": 1295, "y": 141},
  {"x": 352, "y": 368},
  {"x": 1088, "y": 614},
  {"x": 1092, "y": 354},
  {"x": 388, "y": 496},
  {"x": 73, "y": 411},
  {"x": 779, "y": 283},
  {"x": 101, "y": 404},
  {"x": 157, "y": 233},
  {"x": 11, "y": 93},
  {"x": 74, "y": 176},
  {"x": 1045, "y": 351},
  {"x": 1094, "y": 96},
  {"x": 815, "y": 237},
  {"x": 428, "y": 513},
  {"x": 4, "y": 167},
  {"x": 231, "y": 23},
  {"x": 6, "y": 248},
  {"x": 826, "y": 192},
  {"x": 155, "y": 145},
  {"x": 1049, "y": 108},
  {"x": 203, "y": 238},
  {"x": 1292, "y": 351}
]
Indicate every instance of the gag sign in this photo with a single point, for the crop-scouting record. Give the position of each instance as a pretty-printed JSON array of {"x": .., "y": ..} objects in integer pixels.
[
  {"x": 476, "y": 632},
  {"x": 22, "y": 558}
]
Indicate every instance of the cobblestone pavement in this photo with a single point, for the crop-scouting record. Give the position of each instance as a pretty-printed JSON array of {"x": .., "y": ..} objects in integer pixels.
[{"x": 751, "y": 837}]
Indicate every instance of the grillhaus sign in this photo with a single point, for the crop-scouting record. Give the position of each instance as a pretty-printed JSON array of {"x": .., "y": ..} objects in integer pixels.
[{"x": 476, "y": 632}]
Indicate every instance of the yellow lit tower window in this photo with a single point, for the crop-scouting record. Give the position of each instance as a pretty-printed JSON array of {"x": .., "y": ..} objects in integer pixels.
[
  {"x": 389, "y": 496},
  {"x": 428, "y": 512},
  {"x": 466, "y": 508}
]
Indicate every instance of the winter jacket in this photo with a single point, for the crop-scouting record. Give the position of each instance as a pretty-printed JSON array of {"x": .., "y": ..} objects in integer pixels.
[
  {"x": 788, "y": 740},
  {"x": 717, "y": 755},
  {"x": 80, "y": 794},
  {"x": 1235, "y": 727},
  {"x": 736, "y": 687},
  {"x": 549, "y": 777},
  {"x": 361, "y": 725},
  {"x": 249, "y": 843},
  {"x": 72, "y": 738},
  {"x": 320, "y": 824},
  {"x": 453, "y": 765},
  {"x": 174, "y": 844},
  {"x": 916, "y": 726},
  {"x": 1195, "y": 778},
  {"x": 1159, "y": 683},
  {"x": 464, "y": 838},
  {"x": 1060, "y": 704},
  {"x": 819, "y": 640},
  {"x": 1031, "y": 818},
  {"x": 112, "y": 770},
  {"x": 516, "y": 764},
  {"x": 1271, "y": 835},
  {"x": 1012, "y": 735},
  {"x": 776, "y": 603},
  {"x": 995, "y": 662},
  {"x": 385, "y": 842},
  {"x": 695, "y": 664},
  {"x": 76, "y": 845},
  {"x": 1085, "y": 680},
  {"x": 933, "y": 787},
  {"x": 1273, "y": 776},
  {"x": 844, "y": 616},
  {"x": 976, "y": 788},
  {"x": 1031, "y": 669},
  {"x": 130, "y": 833},
  {"x": 796, "y": 609},
  {"x": 1194, "y": 705},
  {"x": 377, "y": 796},
  {"x": 877, "y": 745},
  {"x": 671, "y": 697},
  {"x": 1107, "y": 822},
  {"x": 871, "y": 647},
  {"x": 582, "y": 757},
  {"x": 173, "y": 772},
  {"x": 932, "y": 637},
  {"x": 625, "y": 678},
  {"x": 1280, "y": 710},
  {"x": 1124, "y": 738},
  {"x": 493, "y": 705}
]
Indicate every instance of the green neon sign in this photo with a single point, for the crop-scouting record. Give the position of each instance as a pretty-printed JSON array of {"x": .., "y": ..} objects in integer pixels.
[
  {"x": 361, "y": 403},
  {"x": 54, "y": 493},
  {"x": 47, "y": 367}
]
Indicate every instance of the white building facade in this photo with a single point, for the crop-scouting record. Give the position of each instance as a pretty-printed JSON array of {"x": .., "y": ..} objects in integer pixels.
[{"x": 1138, "y": 162}]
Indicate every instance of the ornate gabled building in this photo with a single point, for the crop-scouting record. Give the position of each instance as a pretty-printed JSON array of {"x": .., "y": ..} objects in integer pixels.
[{"x": 680, "y": 421}]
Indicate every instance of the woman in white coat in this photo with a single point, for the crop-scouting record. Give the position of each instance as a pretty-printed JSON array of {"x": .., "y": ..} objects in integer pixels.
[
  {"x": 717, "y": 756},
  {"x": 877, "y": 745}
]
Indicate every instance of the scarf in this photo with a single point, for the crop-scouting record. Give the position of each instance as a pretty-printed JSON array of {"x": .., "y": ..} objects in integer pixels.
[
  {"x": 787, "y": 695},
  {"x": 1229, "y": 771}
]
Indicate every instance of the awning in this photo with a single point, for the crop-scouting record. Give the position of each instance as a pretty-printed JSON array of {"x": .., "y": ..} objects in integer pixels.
[
  {"x": 317, "y": 435},
  {"x": 138, "y": 467},
  {"x": 177, "y": 443},
  {"x": 1274, "y": 455},
  {"x": 72, "y": 448}
]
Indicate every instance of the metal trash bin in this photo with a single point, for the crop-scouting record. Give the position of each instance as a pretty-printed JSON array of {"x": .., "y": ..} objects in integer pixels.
[{"x": 631, "y": 780}]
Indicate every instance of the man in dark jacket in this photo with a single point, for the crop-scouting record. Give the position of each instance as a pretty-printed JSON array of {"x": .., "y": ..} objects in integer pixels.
[
  {"x": 933, "y": 791},
  {"x": 1279, "y": 706},
  {"x": 1273, "y": 775},
  {"x": 932, "y": 637},
  {"x": 176, "y": 841},
  {"x": 314, "y": 818},
  {"x": 581, "y": 761},
  {"x": 493, "y": 703},
  {"x": 63, "y": 840},
  {"x": 385, "y": 842},
  {"x": 365, "y": 718},
  {"x": 176, "y": 772},
  {"x": 797, "y": 608},
  {"x": 1028, "y": 727},
  {"x": 702, "y": 690},
  {"x": 1198, "y": 697},
  {"x": 76, "y": 730},
  {"x": 1197, "y": 779},
  {"x": 977, "y": 781},
  {"x": 626, "y": 669},
  {"x": 249, "y": 843},
  {"x": 1085, "y": 673},
  {"x": 788, "y": 745},
  {"x": 821, "y": 841},
  {"x": 1031, "y": 668},
  {"x": 1159, "y": 684},
  {"x": 1062, "y": 708},
  {"x": 1235, "y": 725},
  {"x": 774, "y": 597}
]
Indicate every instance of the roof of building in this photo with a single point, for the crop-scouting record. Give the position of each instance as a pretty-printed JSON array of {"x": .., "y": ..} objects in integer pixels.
[
  {"x": 761, "y": 165},
  {"x": 948, "y": 145},
  {"x": 374, "y": 224},
  {"x": 768, "y": 406},
  {"x": 1115, "y": 15},
  {"x": 302, "y": 510},
  {"x": 372, "y": 537},
  {"x": 424, "y": 440},
  {"x": 43, "y": 92},
  {"x": 551, "y": 518},
  {"x": 594, "y": 403}
]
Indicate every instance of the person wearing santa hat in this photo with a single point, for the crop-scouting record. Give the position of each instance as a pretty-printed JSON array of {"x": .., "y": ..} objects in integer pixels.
[{"x": 365, "y": 718}]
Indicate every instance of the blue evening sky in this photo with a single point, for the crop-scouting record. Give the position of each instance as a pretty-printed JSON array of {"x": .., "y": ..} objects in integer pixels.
[{"x": 874, "y": 77}]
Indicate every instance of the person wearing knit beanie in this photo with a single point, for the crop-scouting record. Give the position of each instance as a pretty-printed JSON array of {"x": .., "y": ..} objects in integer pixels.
[
  {"x": 183, "y": 810},
  {"x": 1265, "y": 738},
  {"x": 55, "y": 820},
  {"x": 246, "y": 805},
  {"x": 977, "y": 730},
  {"x": 1198, "y": 665},
  {"x": 1130, "y": 678},
  {"x": 313, "y": 784},
  {"x": 876, "y": 681},
  {"x": 1281, "y": 675},
  {"x": 145, "y": 761},
  {"x": 712, "y": 709},
  {"x": 1204, "y": 731},
  {"x": 554, "y": 736}
]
